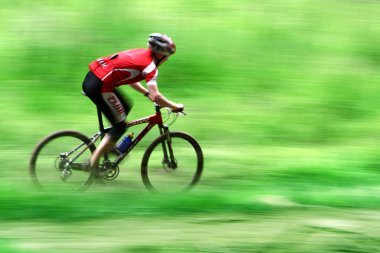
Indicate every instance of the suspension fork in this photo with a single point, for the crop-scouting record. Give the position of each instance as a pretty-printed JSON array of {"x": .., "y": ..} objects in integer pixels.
[{"x": 167, "y": 148}]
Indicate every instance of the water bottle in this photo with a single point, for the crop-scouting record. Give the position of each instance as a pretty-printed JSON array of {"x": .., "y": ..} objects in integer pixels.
[{"x": 124, "y": 144}]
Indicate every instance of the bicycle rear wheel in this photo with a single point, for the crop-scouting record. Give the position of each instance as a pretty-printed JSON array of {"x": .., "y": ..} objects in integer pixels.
[
  {"x": 172, "y": 164},
  {"x": 60, "y": 160}
]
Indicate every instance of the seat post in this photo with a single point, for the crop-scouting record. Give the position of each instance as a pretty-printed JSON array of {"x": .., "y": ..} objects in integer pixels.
[{"x": 100, "y": 119}]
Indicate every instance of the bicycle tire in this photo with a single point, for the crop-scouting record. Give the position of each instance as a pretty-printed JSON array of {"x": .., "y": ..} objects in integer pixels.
[
  {"x": 188, "y": 155},
  {"x": 46, "y": 157}
]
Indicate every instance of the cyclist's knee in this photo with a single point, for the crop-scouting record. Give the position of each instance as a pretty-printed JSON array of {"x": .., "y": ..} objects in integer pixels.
[{"x": 118, "y": 130}]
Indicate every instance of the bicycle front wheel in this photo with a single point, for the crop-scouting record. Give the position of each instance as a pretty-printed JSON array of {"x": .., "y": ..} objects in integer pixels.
[
  {"x": 60, "y": 160},
  {"x": 172, "y": 163}
]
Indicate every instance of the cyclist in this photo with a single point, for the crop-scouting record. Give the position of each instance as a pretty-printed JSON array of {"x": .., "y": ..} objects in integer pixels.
[{"x": 127, "y": 67}]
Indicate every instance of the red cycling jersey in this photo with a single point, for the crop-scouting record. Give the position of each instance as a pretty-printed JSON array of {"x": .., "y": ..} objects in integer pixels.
[{"x": 126, "y": 67}]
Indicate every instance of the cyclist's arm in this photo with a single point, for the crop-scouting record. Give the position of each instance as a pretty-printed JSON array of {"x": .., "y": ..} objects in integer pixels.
[
  {"x": 138, "y": 87},
  {"x": 161, "y": 100}
]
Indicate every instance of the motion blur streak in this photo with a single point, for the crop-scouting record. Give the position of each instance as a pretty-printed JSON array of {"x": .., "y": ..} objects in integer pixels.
[{"x": 283, "y": 97}]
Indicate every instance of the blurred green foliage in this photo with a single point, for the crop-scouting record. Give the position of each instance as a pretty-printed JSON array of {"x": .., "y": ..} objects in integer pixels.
[
  {"x": 268, "y": 72},
  {"x": 283, "y": 96},
  {"x": 279, "y": 85},
  {"x": 283, "y": 86}
]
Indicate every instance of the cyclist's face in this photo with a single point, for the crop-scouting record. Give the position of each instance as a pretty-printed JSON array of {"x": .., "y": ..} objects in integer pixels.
[
  {"x": 161, "y": 58},
  {"x": 164, "y": 59}
]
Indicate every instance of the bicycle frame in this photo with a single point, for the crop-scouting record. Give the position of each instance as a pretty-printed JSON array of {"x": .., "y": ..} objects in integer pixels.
[
  {"x": 152, "y": 120},
  {"x": 66, "y": 154}
]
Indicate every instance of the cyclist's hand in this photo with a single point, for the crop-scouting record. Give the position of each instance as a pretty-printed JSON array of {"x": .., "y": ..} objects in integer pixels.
[{"x": 178, "y": 108}]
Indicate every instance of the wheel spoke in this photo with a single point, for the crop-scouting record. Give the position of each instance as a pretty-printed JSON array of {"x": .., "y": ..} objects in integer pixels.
[
  {"x": 174, "y": 166},
  {"x": 61, "y": 161}
]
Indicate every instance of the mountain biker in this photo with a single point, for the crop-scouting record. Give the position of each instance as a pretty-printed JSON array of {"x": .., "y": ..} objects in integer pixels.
[{"x": 127, "y": 67}]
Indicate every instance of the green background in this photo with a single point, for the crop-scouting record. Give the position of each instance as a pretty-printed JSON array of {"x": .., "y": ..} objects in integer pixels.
[{"x": 283, "y": 97}]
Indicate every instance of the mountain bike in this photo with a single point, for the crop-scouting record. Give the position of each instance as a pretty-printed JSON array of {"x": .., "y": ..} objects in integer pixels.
[{"x": 172, "y": 162}]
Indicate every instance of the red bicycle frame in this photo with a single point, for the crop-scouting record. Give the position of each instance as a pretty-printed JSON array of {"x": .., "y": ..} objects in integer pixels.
[{"x": 152, "y": 120}]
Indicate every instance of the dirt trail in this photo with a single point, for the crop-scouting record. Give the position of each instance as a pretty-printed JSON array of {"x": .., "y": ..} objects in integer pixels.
[{"x": 308, "y": 230}]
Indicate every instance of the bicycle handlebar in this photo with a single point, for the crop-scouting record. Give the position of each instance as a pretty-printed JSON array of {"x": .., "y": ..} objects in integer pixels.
[{"x": 158, "y": 108}]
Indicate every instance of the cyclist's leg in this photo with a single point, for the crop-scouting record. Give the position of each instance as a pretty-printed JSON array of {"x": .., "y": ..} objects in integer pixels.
[
  {"x": 114, "y": 107},
  {"x": 117, "y": 118},
  {"x": 108, "y": 102},
  {"x": 125, "y": 100}
]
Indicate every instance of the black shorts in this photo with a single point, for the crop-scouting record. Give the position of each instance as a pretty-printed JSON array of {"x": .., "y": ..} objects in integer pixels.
[{"x": 113, "y": 105}]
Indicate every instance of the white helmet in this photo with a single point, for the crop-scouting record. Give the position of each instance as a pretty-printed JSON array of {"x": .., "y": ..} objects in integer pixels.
[{"x": 161, "y": 43}]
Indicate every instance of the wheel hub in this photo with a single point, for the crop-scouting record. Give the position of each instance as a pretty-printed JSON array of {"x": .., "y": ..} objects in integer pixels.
[{"x": 63, "y": 165}]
